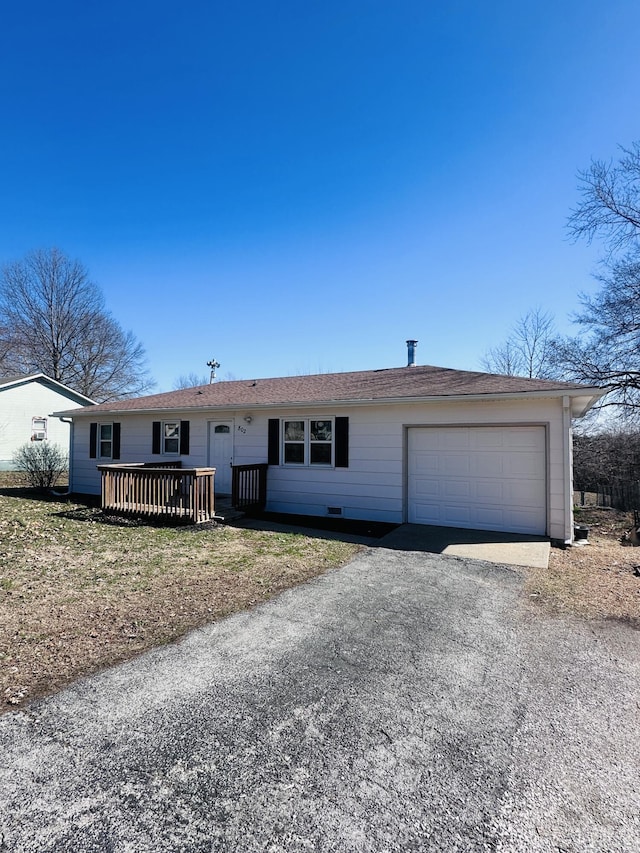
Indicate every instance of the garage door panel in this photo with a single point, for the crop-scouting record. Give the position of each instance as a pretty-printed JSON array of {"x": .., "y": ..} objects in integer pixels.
[
  {"x": 455, "y": 465},
  {"x": 428, "y": 513},
  {"x": 425, "y": 440},
  {"x": 424, "y": 463},
  {"x": 456, "y": 515},
  {"x": 426, "y": 488},
  {"x": 520, "y": 495},
  {"x": 491, "y": 478},
  {"x": 486, "y": 440},
  {"x": 524, "y": 438},
  {"x": 459, "y": 489},
  {"x": 489, "y": 491},
  {"x": 524, "y": 464},
  {"x": 486, "y": 465},
  {"x": 489, "y": 518},
  {"x": 454, "y": 439}
]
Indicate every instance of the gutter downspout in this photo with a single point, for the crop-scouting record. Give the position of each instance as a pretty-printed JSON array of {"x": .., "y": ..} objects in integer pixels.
[
  {"x": 567, "y": 453},
  {"x": 70, "y": 486}
]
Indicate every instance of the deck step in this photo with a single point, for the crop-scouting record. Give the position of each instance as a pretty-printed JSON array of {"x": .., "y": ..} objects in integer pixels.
[{"x": 225, "y": 513}]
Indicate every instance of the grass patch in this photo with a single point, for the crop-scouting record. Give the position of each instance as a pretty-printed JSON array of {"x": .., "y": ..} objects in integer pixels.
[{"x": 78, "y": 593}]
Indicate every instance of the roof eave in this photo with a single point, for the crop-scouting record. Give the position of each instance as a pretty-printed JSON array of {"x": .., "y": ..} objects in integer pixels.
[{"x": 585, "y": 398}]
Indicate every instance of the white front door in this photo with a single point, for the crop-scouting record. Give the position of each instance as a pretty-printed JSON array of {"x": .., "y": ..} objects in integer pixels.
[{"x": 221, "y": 454}]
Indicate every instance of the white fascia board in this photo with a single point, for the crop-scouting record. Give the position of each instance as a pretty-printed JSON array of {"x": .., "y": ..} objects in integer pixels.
[{"x": 20, "y": 380}]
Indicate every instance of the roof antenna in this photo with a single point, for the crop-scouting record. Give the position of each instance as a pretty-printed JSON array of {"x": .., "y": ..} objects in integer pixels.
[{"x": 213, "y": 364}]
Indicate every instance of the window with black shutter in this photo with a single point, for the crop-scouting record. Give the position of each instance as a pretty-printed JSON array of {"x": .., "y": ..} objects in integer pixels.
[{"x": 170, "y": 438}]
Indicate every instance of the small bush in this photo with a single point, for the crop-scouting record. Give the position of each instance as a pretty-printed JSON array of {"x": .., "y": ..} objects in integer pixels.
[{"x": 43, "y": 463}]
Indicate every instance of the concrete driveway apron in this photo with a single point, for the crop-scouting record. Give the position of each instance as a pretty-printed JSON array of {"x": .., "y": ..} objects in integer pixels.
[{"x": 408, "y": 701}]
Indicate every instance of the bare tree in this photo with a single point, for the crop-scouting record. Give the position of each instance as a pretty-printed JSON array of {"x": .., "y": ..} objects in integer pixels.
[
  {"x": 610, "y": 206},
  {"x": 528, "y": 350},
  {"x": 190, "y": 380},
  {"x": 55, "y": 321},
  {"x": 607, "y": 349},
  {"x": 604, "y": 458}
]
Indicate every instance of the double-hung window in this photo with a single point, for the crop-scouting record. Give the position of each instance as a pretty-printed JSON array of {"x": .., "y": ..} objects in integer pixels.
[
  {"x": 105, "y": 441},
  {"x": 171, "y": 437},
  {"x": 307, "y": 442}
]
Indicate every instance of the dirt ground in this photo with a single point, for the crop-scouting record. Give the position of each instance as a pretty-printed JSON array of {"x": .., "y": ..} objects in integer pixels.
[{"x": 599, "y": 580}]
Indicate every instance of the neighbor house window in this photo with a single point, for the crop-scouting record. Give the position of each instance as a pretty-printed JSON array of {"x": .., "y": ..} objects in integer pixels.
[
  {"x": 38, "y": 429},
  {"x": 106, "y": 441},
  {"x": 307, "y": 442},
  {"x": 171, "y": 437}
]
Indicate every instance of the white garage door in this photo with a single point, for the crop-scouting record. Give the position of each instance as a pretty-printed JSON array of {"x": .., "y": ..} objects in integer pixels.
[{"x": 486, "y": 478}]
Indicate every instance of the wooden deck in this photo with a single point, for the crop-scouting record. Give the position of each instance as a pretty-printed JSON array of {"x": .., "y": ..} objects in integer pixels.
[{"x": 159, "y": 490}]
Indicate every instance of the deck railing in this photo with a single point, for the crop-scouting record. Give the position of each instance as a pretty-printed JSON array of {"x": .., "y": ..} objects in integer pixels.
[
  {"x": 159, "y": 489},
  {"x": 249, "y": 486}
]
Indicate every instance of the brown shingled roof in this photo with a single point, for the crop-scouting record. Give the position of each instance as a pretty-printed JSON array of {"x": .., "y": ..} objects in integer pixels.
[{"x": 367, "y": 385}]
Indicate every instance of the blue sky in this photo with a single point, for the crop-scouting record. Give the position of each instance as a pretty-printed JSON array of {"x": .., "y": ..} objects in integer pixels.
[{"x": 299, "y": 187}]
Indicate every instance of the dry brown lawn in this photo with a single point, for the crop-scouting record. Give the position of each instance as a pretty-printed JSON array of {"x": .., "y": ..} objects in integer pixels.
[
  {"x": 600, "y": 580},
  {"x": 79, "y": 591}
]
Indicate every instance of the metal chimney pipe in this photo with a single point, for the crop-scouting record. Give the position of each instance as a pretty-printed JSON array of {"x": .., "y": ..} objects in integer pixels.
[{"x": 411, "y": 353}]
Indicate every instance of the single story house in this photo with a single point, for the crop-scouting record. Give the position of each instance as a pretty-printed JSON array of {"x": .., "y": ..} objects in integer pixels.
[
  {"x": 420, "y": 444},
  {"x": 25, "y": 403}
]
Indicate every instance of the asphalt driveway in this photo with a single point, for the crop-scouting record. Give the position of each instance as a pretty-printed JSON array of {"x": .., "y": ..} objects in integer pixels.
[{"x": 408, "y": 701}]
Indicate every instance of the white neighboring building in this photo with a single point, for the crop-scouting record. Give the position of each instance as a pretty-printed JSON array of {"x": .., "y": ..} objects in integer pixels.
[{"x": 26, "y": 403}]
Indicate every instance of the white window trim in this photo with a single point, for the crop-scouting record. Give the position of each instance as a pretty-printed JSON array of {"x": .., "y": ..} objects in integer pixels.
[
  {"x": 307, "y": 443},
  {"x": 99, "y": 453},
  {"x": 164, "y": 438}
]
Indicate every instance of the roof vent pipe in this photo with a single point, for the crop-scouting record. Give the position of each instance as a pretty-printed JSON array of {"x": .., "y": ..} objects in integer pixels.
[{"x": 411, "y": 353}]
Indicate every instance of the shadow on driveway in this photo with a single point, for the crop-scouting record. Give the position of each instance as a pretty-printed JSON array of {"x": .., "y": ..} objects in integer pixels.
[{"x": 513, "y": 549}]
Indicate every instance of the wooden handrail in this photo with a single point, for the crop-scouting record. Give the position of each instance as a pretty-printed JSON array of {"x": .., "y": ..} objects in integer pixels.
[
  {"x": 249, "y": 486},
  {"x": 164, "y": 489}
]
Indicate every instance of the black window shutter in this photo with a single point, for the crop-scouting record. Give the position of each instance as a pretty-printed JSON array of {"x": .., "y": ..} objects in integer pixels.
[
  {"x": 93, "y": 441},
  {"x": 116, "y": 442},
  {"x": 184, "y": 438},
  {"x": 342, "y": 442},
  {"x": 273, "y": 455},
  {"x": 155, "y": 440}
]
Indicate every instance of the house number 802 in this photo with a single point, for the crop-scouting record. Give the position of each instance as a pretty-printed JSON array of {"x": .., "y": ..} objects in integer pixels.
[{"x": 242, "y": 429}]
